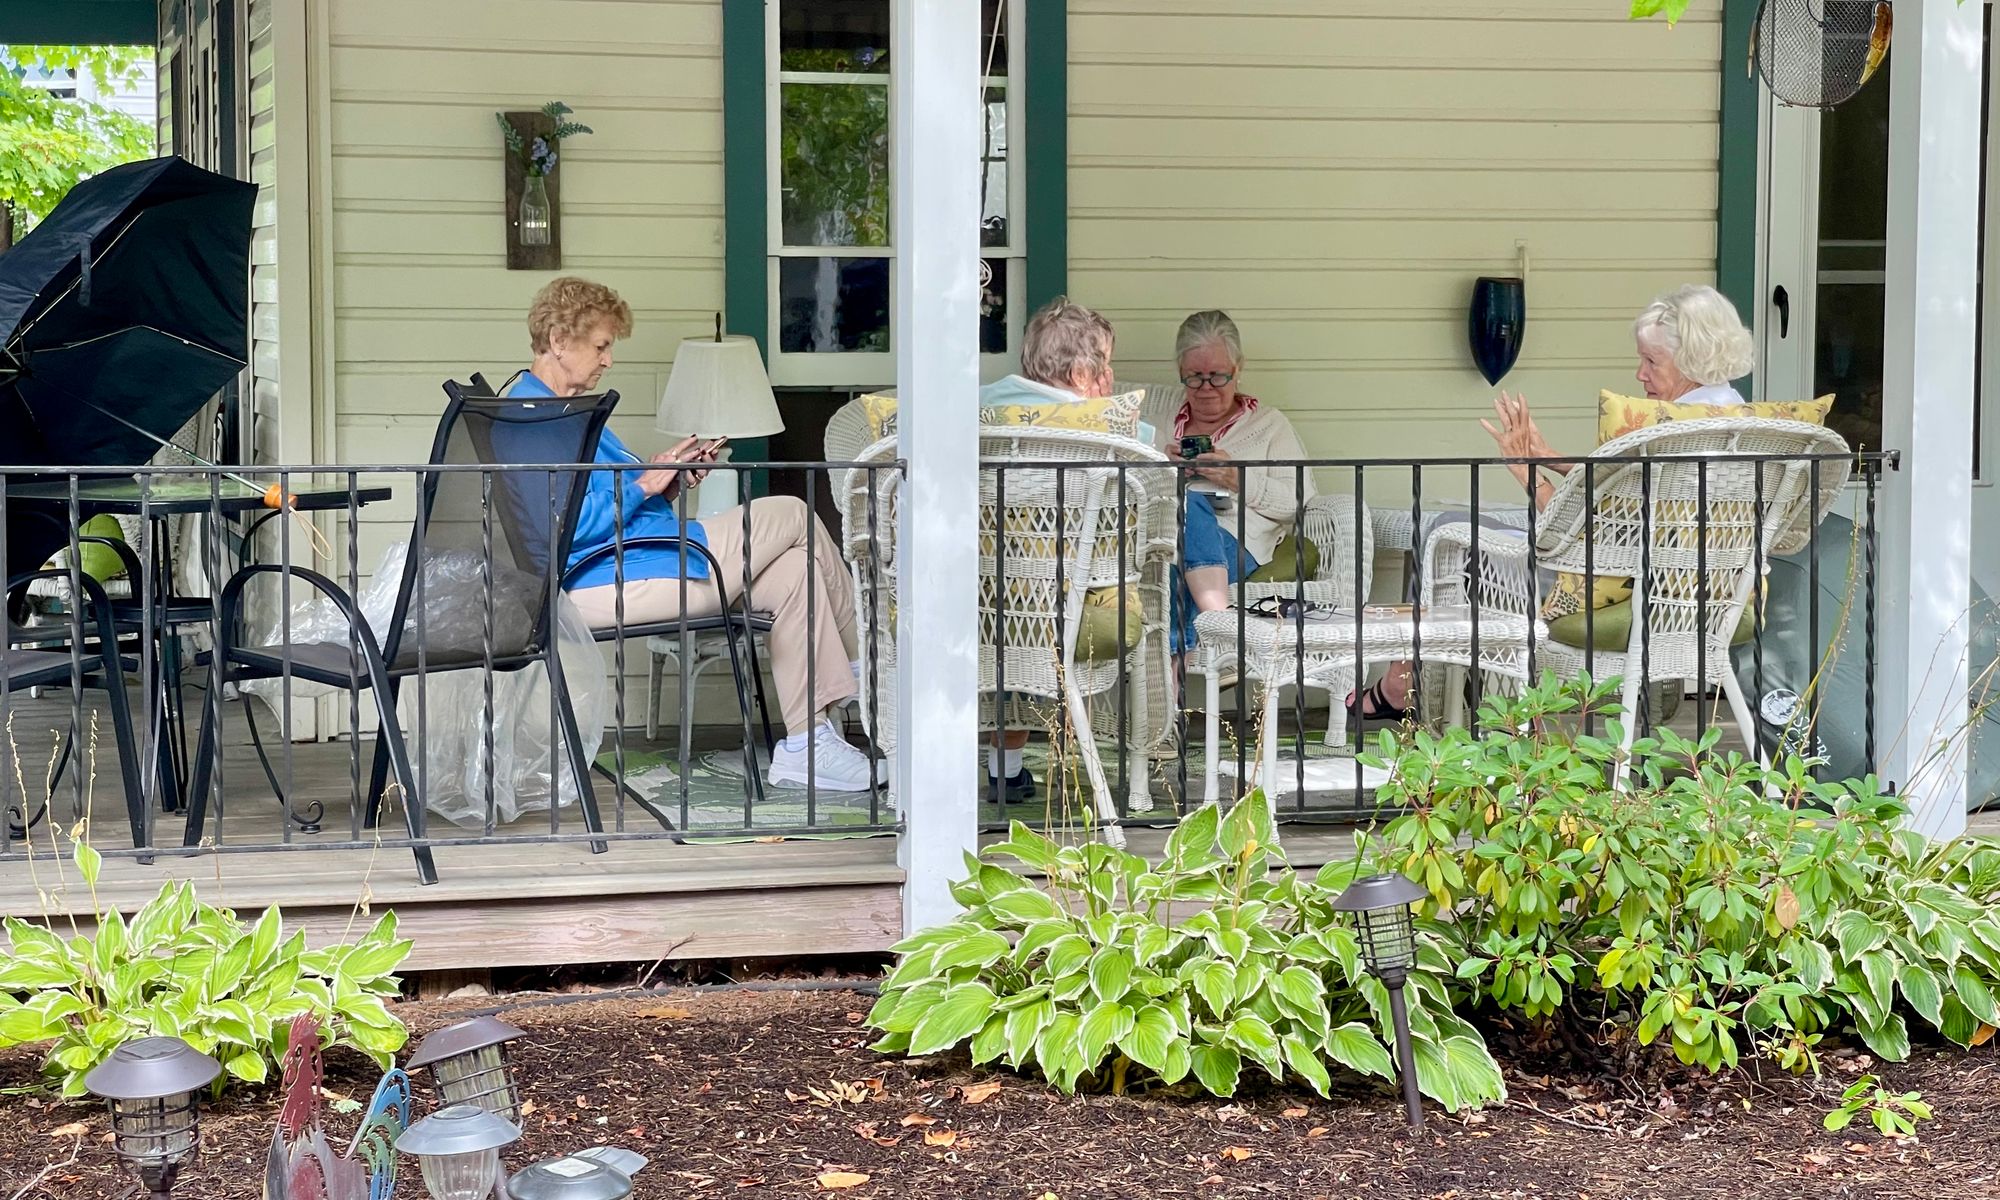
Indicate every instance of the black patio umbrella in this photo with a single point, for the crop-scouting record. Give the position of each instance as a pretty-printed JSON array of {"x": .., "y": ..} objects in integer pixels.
[{"x": 121, "y": 314}]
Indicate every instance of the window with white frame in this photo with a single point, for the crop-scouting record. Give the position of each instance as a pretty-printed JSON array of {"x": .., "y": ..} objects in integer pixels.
[{"x": 830, "y": 88}]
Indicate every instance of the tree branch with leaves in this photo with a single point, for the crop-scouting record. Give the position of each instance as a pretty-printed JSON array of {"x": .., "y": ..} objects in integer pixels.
[{"x": 49, "y": 143}]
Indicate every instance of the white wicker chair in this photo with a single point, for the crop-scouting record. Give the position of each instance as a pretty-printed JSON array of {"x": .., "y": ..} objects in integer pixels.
[
  {"x": 1330, "y": 523},
  {"x": 1670, "y": 522},
  {"x": 1043, "y": 600}
]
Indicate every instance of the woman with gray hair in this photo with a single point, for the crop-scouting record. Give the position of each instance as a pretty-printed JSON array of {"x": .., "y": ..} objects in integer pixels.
[
  {"x": 1220, "y": 422},
  {"x": 1690, "y": 343}
]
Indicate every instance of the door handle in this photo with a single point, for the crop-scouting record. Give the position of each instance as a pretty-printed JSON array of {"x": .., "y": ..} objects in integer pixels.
[{"x": 1783, "y": 299}]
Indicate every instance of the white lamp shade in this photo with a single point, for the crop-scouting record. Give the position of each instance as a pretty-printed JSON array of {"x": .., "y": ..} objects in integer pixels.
[{"x": 718, "y": 388}]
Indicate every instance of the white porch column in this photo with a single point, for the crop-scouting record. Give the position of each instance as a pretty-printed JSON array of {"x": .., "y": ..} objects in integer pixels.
[
  {"x": 934, "y": 165},
  {"x": 1931, "y": 318}
]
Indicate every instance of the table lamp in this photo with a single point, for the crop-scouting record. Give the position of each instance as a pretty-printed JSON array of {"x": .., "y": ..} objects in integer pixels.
[{"x": 718, "y": 388}]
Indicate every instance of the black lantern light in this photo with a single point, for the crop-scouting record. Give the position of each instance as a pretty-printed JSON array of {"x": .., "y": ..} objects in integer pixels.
[
  {"x": 153, "y": 1086},
  {"x": 1387, "y": 929},
  {"x": 469, "y": 1064},
  {"x": 1496, "y": 325}
]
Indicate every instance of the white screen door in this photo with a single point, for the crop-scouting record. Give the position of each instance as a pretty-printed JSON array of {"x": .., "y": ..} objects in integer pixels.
[{"x": 1823, "y": 189}]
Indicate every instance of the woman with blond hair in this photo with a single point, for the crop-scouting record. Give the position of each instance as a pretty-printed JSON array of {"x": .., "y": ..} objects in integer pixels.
[
  {"x": 571, "y": 328},
  {"x": 1691, "y": 343}
]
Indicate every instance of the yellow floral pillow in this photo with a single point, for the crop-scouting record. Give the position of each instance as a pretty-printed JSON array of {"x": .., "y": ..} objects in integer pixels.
[
  {"x": 1619, "y": 415},
  {"x": 1118, "y": 415},
  {"x": 880, "y": 412},
  {"x": 1570, "y": 594},
  {"x": 1115, "y": 415}
]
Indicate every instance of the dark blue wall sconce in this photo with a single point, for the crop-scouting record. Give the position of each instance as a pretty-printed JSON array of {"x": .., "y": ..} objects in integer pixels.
[{"x": 1496, "y": 324}]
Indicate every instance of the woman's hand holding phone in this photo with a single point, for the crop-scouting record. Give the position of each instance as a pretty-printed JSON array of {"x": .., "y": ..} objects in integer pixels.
[{"x": 667, "y": 481}]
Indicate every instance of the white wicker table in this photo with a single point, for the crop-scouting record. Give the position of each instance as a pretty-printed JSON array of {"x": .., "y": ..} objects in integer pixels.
[
  {"x": 1337, "y": 648},
  {"x": 1396, "y": 528}
]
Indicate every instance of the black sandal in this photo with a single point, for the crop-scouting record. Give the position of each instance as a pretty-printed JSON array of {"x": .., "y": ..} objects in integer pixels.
[{"x": 1374, "y": 699}]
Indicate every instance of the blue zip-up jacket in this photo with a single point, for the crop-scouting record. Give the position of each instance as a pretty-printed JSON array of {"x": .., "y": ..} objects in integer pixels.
[{"x": 645, "y": 516}]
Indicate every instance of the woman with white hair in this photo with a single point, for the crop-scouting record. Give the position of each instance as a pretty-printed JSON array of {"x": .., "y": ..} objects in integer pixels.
[
  {"x": 1218, "y": 423},
  {"x": 1690, "y": 342}
]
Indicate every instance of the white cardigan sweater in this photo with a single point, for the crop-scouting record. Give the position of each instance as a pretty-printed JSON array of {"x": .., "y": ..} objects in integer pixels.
[{"x": 1268, "y": 492}]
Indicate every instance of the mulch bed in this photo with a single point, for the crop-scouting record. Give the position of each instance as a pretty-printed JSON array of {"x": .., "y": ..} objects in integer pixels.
[{"x": 743, "y": 1093}]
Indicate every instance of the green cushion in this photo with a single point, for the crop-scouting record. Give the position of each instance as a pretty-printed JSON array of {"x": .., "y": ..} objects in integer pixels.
[
  {"x": 99, "y": 562},
  {"x": 1284, "y": 567},
  {"x": 1612, "y": 627},
  {"x": 1097, "y": 630}
]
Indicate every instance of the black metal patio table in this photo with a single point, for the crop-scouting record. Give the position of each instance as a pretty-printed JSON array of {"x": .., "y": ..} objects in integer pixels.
[{"x": 160, "y": 499}]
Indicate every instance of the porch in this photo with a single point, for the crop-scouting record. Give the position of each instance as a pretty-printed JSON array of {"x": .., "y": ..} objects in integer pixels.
[
  {"x": 521, "y": 898},
  {"x": 531, "y": 902}
]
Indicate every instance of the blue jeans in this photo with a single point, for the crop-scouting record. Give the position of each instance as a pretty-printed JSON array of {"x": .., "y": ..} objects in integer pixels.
[{"x": 1205, "y": 544}]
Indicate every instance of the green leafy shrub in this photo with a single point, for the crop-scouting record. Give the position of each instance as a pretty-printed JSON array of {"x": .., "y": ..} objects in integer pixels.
[
  {"x": 1713, "y": 903},
  {"x": 191, "y": 970},
  {"x": 1892, "y": 1115},
  {"x": 1106, "y": 978}
]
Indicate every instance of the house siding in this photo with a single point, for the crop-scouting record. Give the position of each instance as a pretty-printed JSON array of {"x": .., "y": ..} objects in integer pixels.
[
  {"x": 420, "y": 291},
  {"x": 1336, "y": 176}
]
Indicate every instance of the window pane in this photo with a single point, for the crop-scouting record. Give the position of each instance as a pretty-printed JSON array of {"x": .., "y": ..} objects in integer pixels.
[
  {"x": 993, "y": 306},
  {"x": 829, "y": 305},
  {"x": 1853, "y": 221},
  {"x": 993, "y": 35},
  {"x": 835, "y": 164},
  {"x": 993, "y": 171},
  {"x": 833, "y": 35}
]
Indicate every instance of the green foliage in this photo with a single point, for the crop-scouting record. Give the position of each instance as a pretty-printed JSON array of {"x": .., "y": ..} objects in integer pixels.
[
  {"x": 190, "y": 970},
  {"x": 539, "y": 157},
  {"x": 1893, "y": 1115},
  {"x": 833, "y": 149},
  {"x": 1712, "y": 904},
  {"x": 48, "y": 143},
  {"x": 1672, "y": 10},
  {"x": 1095, "y": 981}
]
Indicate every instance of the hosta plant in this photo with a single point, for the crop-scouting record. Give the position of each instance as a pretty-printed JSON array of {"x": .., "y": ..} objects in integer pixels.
[
  {"x": 191, "y": 970},
  {"x": 1710, "y": 904},
  {"x": 1102, "y": 970}
]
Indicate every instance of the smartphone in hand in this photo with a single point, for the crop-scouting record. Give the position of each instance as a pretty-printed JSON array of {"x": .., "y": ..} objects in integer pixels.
[{"x": 710, "y": 450}]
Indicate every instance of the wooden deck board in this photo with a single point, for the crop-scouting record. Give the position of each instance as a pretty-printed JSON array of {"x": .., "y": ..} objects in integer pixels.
[{"x": 517, "y": 903}]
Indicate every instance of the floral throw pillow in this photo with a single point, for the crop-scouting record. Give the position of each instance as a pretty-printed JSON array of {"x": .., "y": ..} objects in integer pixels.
[
  {"x": 1115, "y": 415},
  {"x": 1619, "y": 415}
]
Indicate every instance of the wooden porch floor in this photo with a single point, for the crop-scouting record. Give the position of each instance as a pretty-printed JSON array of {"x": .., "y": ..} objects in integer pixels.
[
  {"x": 508, "y": 903},
  {"x": 518, "y": 903}
]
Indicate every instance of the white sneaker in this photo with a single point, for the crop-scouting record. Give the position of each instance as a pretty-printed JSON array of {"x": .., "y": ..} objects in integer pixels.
[{"x": 838, "y": 766}]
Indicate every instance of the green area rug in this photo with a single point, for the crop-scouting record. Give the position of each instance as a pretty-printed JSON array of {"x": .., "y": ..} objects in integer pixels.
[{"x": 715, "y": 796}]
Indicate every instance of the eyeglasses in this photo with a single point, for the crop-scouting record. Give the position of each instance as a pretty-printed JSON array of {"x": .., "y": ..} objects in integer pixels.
[
  {"x": 1292, "y": 608},
  {"x": 1213, "y": 379}
]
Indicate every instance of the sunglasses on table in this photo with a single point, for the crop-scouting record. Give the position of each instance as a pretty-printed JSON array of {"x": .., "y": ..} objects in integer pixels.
[
  {"x": 1212, "y": 379},
  {"x": 1292, "y": 608}
]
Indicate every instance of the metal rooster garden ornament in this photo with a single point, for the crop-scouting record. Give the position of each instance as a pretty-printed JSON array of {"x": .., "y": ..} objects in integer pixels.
[{"x": 302, "y": 1164}]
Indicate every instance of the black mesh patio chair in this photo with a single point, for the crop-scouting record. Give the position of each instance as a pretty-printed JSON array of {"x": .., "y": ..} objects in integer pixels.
[
  {"x": 732, "y": 623},
  {"x": 508, "y": 532},
  {"x": 87, "y": 656}
]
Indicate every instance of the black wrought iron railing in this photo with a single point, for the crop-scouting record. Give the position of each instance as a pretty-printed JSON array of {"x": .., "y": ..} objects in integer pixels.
[{"x": 420, "y": 663}]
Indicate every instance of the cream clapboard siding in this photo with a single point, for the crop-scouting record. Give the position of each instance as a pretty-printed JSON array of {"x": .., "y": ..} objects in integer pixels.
[
  {"x": 1337, "y": 175},
  {"x": 265, "y": 405},
  {"x": 420, "y": 289}
]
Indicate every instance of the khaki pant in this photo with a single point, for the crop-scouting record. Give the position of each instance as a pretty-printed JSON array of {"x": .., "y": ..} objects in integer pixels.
[{"x": 786, "y": 543}]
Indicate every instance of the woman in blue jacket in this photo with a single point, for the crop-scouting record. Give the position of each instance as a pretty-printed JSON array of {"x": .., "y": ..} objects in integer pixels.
[{"x": 571, "y": 328}]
